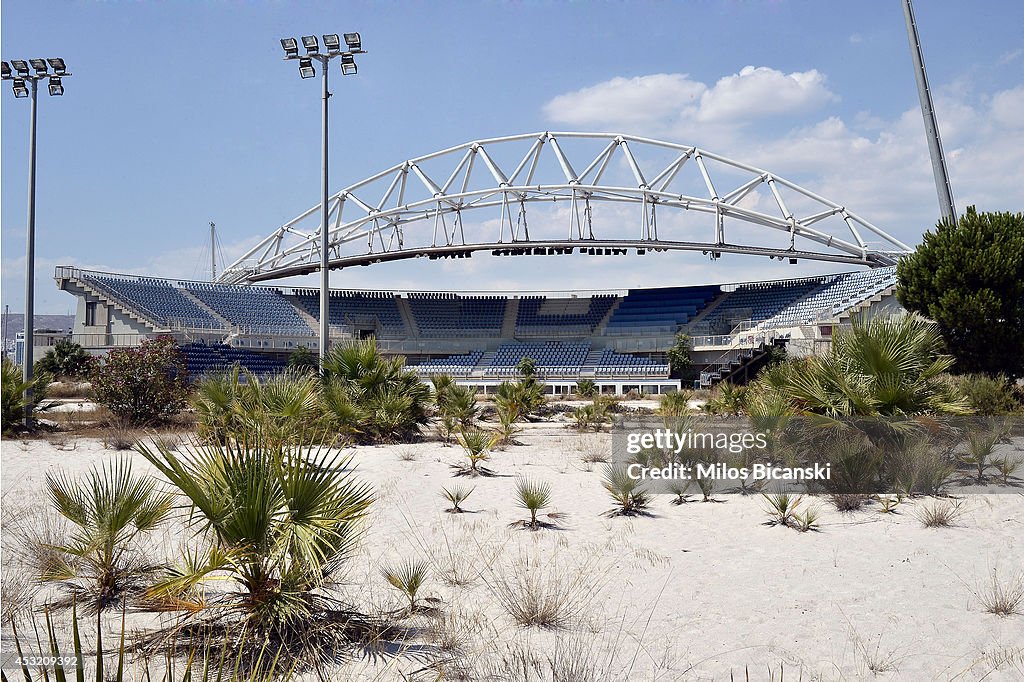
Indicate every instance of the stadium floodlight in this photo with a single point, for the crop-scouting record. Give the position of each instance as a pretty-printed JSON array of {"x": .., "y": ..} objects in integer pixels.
[
  {"x": 26, "y": 84},
  {"x": 332, "y": 42},
  {"x": 348, "y": 64},
  {"x": 291, "y": 47},
  {"x": 332, "y": 49}
]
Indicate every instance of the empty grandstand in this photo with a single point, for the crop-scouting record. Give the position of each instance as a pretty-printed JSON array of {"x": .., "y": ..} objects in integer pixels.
[{"x": 619, "y": 339}]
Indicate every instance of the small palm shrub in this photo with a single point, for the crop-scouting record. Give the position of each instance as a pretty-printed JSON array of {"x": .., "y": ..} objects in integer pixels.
[
  {"x": 508, "y": 415},
  {"x": 807, "y": 520},
  {"x": 12, "y": 395},
  {"x": 630, "y": 496},
  {"x": 679, "y": 490},
  {"x": 460, "y": 404},
  {"x": 407, "y": 577},
  {"x": 285, "y": 407},
  {"x": 728, "y": 399},
  {"x": 441, "y": 384},
  {"x": 214, "y": 404},
  {"x": 376, "y": 399},
  {"x": 110, "y": 510},
  {"x": 888, "y": 503},
  {"x": 981, "y": 442},
  {"x": 144, "y": 385},
  {"x": 303, "y": 359},
  {"x": 524, "y": 396},
  {"x": 457, "y": 494},
  {"x": 1006, "y": 466},
  {"x": 586, "y": 388},
  {"x": 477, "y": 444},
  {"x": 675, "y": 404},
  {"x": 274, "y": 522},
  {"x": 527, "y": 367},
  {"x": 533, "y": 496},
  {"x": 781, "y": 508}
]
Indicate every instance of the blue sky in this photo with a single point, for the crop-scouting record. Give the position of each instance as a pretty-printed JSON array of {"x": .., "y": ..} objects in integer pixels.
[{"x": 182, "y": 113}]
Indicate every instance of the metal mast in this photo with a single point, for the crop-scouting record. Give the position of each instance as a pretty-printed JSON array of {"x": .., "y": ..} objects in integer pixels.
[
  {"x": 931, "y": 127},
  {"x": 213, "y": 252}
]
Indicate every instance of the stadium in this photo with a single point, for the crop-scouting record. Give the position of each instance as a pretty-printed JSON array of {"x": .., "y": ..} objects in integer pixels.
[{"x": 616, "y": 338}]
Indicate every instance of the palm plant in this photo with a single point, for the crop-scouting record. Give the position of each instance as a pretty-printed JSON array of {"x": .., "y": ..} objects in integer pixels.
[
  {"x": 110, "y": 510},
  {"x": 407, "y": 577},
  {"x": 391, "y": 403},
  {"x": 887, "y": 366},
  {"x": 981, "y": 443},
  {"x": 214, "y": 404},
  {"x": 285, "y": 407},
  {"x": 629, "y": 494},
  {"x": 12, "y": 395},
  {"x": 456, "y": 495},
  {"x": 477, "y": 445},
  {"x": 523, "y": 396},
  {"x": 533, "y": 496},
  {"x": 276, "y": 522},
  {"x": 586, "y": 388},
  {"x": 442, "y": 384},
  {"x": 781, "y": 507},
  {"x": 675, "y": 404},
  {"x": 508, "y": 415}
]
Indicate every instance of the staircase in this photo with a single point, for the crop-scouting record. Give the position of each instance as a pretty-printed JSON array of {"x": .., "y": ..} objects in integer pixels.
[
  {"x": 508, "y": 325},
  {"x": 599, "y": 327},
  {"x": 410, "y": 319},
  {"x": 740, "y": 369}
]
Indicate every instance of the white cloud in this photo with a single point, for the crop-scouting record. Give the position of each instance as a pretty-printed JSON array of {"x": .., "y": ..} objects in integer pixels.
[
  {"x": 1008, "y": 107},
  {"x": 1010, "y": 56},
  {"x": 676, "y": 104},
  {"x": 756, "y": 92},
  {"x": 628, "y": 101}
]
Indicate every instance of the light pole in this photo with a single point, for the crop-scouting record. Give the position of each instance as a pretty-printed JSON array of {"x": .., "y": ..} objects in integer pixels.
[
  {"x": 24, "y": 83},
  {"x": 332, "y": 45}
]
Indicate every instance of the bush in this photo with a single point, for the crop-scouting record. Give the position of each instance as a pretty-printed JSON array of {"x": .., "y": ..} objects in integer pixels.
[
  {"x": 988, "y": 395},
  {"x": 586, "y": 388},
  {"x": 675, "y": 404},
  {"x": 144, "y": 385},
  {"x": 304, "y": 360},
  {"x": 65, "y": 359},
  {"x": 13, "y": 388}
]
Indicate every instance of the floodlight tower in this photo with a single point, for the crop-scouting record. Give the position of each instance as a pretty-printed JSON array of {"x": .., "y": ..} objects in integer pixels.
[
  {"x": 332, "y": 46},
  {"x": 931, "y": 125},
  {"x": 25, "y": 82}
]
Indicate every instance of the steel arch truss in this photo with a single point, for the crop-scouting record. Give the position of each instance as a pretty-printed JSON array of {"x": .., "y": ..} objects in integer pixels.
[{"x": 416, "y": 208}]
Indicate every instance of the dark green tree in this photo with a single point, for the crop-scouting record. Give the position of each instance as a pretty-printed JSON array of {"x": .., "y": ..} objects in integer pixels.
[
  {"x": 680, "y": 365},
  {"x": 65, "y": 359},
  {"x": 968, "y": 276},
  {"x": 303, "y": 359}
]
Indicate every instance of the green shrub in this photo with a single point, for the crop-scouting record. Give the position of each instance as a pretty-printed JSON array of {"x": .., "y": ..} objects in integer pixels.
[
  {"x": 65, "y": 359},
  {"x": 586, "y": 388},
  {"x": 110, "y": 509},
  {"x": 675, "y": 404},
  {"x": 303, "y": 359},
  {"x": 144, "y": 385},
  {"x": 988, "y": 395},
  {"x": 13, "y": 389}
]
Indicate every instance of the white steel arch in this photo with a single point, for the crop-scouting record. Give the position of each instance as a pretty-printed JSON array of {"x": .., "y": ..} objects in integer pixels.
[{"x": 416, "y": 208}]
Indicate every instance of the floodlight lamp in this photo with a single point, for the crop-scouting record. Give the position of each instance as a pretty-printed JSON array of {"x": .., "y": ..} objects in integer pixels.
[
  {"x": 348, "y": 64},
  {"x": 332, "y": 42},
  {"x": 20, "y": 90},
  {"x": 39, "y": 65},
  {"x": 306, "y": 69},
  {"x": 6, "y": 70},
  {"x": 56, "y": 87},
  {"x": 311, "y": 44},
  {"x": 353, "y": 41},
  {"x": 58, "y": 65},
  {"x": 291, "y": 47},
  {"x": 20, "y": 66}
]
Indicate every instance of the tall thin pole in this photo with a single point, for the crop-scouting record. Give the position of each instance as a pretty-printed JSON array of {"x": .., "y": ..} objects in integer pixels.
[
  {"x": 30, "y": 258},
  {"x": 213, "y": 252},
  {"x": 931, "y": 127},
  {"x": 324, "y": 279}
]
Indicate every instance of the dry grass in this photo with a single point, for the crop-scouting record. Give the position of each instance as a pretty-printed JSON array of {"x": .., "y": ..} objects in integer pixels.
[
  {"x": 1003, "y": 598},
  {"x": 538, "y": 591},
  {"x": 940, "y": 514}
]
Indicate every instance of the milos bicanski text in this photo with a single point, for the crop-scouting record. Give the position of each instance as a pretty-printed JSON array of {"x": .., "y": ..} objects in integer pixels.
[{"x": 676, "y": 442}]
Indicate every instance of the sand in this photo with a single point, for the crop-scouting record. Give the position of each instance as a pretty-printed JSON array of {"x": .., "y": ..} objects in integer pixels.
[{"x": 693, "y": 592}]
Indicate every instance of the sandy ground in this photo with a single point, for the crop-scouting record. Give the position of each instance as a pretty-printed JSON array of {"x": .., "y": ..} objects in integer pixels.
[{"x": 694, "y": 592}]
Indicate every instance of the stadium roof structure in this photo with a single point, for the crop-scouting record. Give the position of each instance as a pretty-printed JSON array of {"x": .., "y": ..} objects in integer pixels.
[{"x": 652, "y": 196}]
